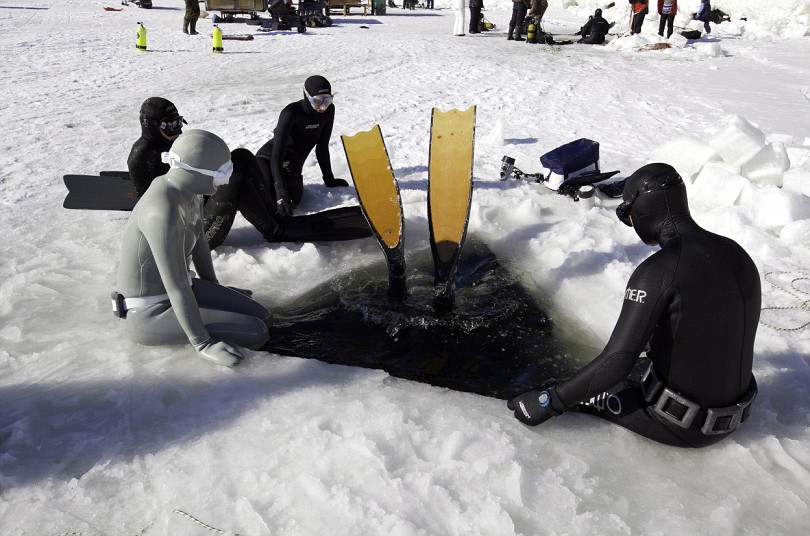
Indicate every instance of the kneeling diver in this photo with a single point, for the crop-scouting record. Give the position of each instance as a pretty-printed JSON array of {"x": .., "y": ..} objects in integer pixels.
[
  {"x": 161, "y": 301},
  {"x": 595, "y": 30},
  {"x": 696, "y": 303}
]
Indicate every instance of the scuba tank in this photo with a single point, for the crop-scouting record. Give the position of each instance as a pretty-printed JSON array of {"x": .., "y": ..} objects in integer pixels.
[
  {"x": 217, "y": 38},
  {"x": 140, "y": 43},
  {"x": 531, "y": 34}
]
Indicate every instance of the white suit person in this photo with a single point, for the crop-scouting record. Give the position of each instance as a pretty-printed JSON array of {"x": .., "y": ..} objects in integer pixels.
[
  {"x": 459, "y": 11},
  {"x": 159, "y": 299}
]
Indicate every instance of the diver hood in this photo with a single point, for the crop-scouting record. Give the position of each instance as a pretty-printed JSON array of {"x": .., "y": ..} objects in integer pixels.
[
  {"x": 658, "y": 205},
  {"x": 154, "y": 111},
  {"x": 314, "y": 86},
  {"x": 200, "y": 161}
]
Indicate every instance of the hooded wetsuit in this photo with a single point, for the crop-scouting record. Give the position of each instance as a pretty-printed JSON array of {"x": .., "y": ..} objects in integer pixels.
[
  {"x": 245, "y": 192},
  {"x": 594, "y": 31},
  {"x": 300, "y": 128},
  {"x": 164, "y": 234},
  {"x": 695, "y": 304}
]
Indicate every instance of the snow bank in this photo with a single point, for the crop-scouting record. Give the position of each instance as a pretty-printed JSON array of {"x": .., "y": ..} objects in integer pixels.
[{"x": 733, "y": 164}]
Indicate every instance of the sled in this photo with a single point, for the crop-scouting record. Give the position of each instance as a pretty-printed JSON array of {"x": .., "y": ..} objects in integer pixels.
[{"x": 229, "y": 8}]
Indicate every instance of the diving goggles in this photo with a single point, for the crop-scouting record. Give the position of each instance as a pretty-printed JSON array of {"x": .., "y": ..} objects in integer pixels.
[
  {"x": 173, "y": 127},
  {"x": 319, "y": 102},
  {"x": 221, "y": 176},
  {"x": 623, "y": 210}
]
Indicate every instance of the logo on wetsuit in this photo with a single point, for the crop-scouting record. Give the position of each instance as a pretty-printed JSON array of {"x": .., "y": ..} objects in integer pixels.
[
  {"x": 308, "y": 127},
  {"x": 606, "y": 401},
  {"x": 636, "y": 295}
]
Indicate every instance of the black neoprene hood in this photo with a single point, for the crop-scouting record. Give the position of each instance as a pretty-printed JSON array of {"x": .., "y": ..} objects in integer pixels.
[
  {"x": 317, "y": 85},
  {"x": 659, "y": 209},
  {"x": 153, "y": 111}
]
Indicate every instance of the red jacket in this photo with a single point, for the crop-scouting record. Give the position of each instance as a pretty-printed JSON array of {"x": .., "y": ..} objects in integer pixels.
[
  {"x": 638, "y": 5},
  {"x": 671, "y": 8}
]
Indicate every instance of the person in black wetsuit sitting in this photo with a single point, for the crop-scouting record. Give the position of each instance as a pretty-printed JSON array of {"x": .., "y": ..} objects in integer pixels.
[
  {"x": 161, "y": 124},
  {"x": 595, "y": 30},
  {"x": 247, "y": 191},
  {"x": 302, "y": 126},
  {"x": 695, "y": 304}
]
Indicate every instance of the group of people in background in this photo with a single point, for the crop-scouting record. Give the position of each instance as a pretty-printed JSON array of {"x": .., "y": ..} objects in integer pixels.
[
  {"x": 522, "y": 9},
  {"x": 667, "y": 9},
  {"x": 593, "y": 32},
  {"x": 595, "y": 29}
]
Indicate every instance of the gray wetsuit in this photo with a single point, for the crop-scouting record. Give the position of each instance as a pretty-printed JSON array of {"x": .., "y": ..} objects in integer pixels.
[{"x": 163, "y": 237}]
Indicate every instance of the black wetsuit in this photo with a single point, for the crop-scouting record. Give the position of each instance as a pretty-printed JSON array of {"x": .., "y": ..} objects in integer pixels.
[
  {"x": 696, "y": 302},
  {"x": 247, "y": 191},
  {"x": 299, "y": 129},
  {"x": 144, "y": 160},
  {"x": 594, "y": 31}
]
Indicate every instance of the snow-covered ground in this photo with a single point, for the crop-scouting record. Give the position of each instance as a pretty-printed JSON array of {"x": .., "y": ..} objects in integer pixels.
[{"x": 100, "y": 436}]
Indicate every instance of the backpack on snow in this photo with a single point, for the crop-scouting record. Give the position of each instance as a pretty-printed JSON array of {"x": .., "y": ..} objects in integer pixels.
[
  {"x": 572, "y": 166},
  {"x": 569, "y": 161}
]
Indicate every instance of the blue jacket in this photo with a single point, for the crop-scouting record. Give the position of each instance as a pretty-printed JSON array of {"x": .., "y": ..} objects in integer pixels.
[{"x": 705, "y": 11}]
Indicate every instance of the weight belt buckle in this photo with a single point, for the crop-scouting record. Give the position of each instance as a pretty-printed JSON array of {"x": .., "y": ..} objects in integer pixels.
[
  {"x": 737, "y": 414},
  {"x": 665, "y": 400},
  {"x": 650, "y": 384}
]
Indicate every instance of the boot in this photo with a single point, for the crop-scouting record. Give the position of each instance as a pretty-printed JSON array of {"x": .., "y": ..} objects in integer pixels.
[
  {"x": 193, "y": 27},
  {"x": 185, "y": 26},
  {"x": 510, "y": 37},
  {"x": 517, "y": 37}
]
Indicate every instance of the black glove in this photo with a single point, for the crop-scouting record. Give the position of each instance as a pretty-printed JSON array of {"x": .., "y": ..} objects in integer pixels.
[
  {"x": 284, "y": 207},
  {"x": 335, "y": 183},
  {"x": 535, "y": 407}
]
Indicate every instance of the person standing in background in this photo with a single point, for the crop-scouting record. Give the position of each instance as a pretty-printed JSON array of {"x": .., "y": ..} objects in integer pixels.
[
  {"x": 519, "y": 9},
  {"x": 475, "y": 15},
  {"x": 640, "y": 9},
  {"x": 458, "y": 12},
  {"x": 191, "y": 17},
  {"x": 704, "y": 14},
  {"x": 667, "y": 10}
]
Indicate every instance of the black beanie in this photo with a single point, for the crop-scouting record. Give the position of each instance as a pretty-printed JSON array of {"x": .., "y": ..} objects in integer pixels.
[
  {"x": 317, "y": 85},
  {"x": 598, "y": 12}
]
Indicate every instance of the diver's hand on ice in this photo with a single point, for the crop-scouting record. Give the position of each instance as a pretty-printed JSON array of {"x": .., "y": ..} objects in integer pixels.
[
  {"x": 219, "y": 352},
  {"x": 533, "y": 407}
]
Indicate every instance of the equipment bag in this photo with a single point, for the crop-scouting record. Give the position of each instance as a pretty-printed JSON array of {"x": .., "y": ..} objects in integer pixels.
[{"x": 571, "y": 160}]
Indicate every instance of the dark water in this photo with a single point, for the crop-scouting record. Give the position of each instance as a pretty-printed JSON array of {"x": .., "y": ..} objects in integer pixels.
[{"x": 495, "y": 341}]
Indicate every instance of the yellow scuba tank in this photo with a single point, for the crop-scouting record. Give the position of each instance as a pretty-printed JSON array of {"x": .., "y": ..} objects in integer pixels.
[
  {"x": 217, "y": 36},
  {"x": 140, "y": 44},
  {"x": 531, "y": 34}
]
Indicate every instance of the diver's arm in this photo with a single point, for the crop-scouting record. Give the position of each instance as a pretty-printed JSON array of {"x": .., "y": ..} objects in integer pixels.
[
  {"x": 281, "y": 136},
  {"x": 322, "y": 148},
  {"x": 166, "y": 243},
  {"x": 644, "y": 301}
]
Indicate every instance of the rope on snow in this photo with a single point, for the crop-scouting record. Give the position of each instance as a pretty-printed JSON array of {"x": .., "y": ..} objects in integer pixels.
[
  {"x": 142, "y": 532},
  {"x": 801, "y": 297}
]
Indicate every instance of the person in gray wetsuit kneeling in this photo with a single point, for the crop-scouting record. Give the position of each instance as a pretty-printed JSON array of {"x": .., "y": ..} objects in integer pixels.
[{"x": 162, "y": 301}]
